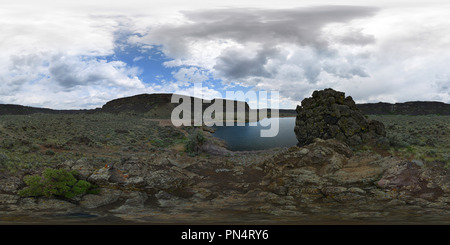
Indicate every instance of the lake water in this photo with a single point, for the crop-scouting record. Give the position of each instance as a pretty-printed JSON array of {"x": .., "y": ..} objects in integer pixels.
[{"x": 248, "y": 138}]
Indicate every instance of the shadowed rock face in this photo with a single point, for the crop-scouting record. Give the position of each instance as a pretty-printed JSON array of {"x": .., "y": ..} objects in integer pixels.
[{"x": 329, "y": 114}]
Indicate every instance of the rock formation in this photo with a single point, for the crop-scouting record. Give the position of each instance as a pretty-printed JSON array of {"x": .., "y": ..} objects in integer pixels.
[{"x": 329, "y": 114}]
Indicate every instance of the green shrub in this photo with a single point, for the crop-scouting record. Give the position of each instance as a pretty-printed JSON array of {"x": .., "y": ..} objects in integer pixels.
[
  {"x": 3, "y": 159},
  {"x": 397, "y": 141},
  {"x": 34, "y": 148},
  {"x": 49, "y": 152},
  {"x": 55, "y": 182},
  {"x": 158, "y": 143},
  {"x": 194, "y": 142},
  {"x": 8, "y": 144}
]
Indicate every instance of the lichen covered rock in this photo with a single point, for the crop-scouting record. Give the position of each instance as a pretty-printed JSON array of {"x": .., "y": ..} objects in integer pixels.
[{"x": 329, "y": 114}]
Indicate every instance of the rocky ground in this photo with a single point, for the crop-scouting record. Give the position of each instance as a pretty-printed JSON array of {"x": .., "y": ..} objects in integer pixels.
[
  {"x": 321, "y": 183},
  {"x": 151, "y": 173}
]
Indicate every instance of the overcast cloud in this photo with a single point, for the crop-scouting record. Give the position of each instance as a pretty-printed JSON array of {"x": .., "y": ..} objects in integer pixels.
[
  {"x": 62, "y": 54},
  {"x": 269, "y": 44}
]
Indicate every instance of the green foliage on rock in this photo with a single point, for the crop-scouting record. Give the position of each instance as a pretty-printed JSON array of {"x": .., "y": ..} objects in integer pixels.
[{"x": 55, "y": 182}]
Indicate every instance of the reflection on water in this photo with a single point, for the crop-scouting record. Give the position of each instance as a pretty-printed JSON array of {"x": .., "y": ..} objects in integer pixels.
[{"x": 248, "y": 138}]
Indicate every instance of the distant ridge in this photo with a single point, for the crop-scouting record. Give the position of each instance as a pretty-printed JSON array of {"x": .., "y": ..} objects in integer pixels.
[
  {"x": 152, "y": 105},
  {"x": 407, "y": 108},
  {"x": 9, "y": 109},
  {"x": 160, "y": 105}
]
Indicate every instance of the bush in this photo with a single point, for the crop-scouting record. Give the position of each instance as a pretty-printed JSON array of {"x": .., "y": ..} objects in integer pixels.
[
  {"x": 8, "y": 144},
  {"x": 3, "y": 159},
  {"x": 194, "y": 142},
  {"x": 55, "y": 182},
  {"x": 49, "y": 152},
  {"x": 397, "y": 141},
  {"x": 158, "y": 143}
]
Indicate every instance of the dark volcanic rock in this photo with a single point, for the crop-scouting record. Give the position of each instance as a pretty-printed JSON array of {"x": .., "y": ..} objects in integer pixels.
[
  {"x": 329, "y": 114},
  {"x": 407, "y": 108}
]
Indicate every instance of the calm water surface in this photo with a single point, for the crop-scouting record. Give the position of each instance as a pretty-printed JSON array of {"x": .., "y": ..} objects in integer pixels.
[{"x": 248, "y": 138}]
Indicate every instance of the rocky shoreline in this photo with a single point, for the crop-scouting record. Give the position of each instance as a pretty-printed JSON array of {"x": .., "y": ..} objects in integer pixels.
[{"x": 323, "y": 182}]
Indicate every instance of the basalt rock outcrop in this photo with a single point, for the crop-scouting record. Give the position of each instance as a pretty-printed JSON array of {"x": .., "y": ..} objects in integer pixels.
[{"x": 328, "y": 114}]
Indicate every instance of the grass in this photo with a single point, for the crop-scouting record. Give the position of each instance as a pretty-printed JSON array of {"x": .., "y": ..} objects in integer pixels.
[
  {"x": 42, "y": 140},
  {"x": 425, "y": 138}
]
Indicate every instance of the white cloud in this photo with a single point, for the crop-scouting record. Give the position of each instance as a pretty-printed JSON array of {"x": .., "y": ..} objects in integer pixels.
[
  {"x": 50, "y": 57},
  {"x": 64, "y": 82},
  {"x": 187, "y": 76},
  {"x": 53, "y": 52},
  {"x": 205, "y": 92},
  {"x": 390, "y": 53},
  {"x": 73, "y": 83},
  {"x": 268, "y": 48}
]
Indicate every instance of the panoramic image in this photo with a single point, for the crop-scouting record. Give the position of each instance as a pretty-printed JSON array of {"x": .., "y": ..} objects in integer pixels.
[{"x": 232, "y": 112}]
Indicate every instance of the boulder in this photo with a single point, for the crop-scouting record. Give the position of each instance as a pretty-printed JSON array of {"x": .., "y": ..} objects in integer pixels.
[
  {"x": 10, "y": 185},
  {"x": 105, "y": 197},
  {"x": 328, "y": 114},
  {"x": 8, "y": 199}
]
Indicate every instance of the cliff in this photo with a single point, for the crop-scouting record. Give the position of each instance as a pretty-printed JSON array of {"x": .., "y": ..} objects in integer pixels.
[{"x": 160, "y": 105}]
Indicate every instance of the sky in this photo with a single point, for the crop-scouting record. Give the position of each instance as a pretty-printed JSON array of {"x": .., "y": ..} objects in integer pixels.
[{"x": 82, "y": 54}]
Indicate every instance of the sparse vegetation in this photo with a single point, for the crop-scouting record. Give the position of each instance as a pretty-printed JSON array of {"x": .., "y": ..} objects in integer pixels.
[
  {"x": 424, "y": 138},
  {"x": 46, "y": 140},
  {"x": 194, "y": 142}
]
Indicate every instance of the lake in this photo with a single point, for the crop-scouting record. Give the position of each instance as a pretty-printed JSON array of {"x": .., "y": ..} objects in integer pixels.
[{"x": 247, "y": 138}]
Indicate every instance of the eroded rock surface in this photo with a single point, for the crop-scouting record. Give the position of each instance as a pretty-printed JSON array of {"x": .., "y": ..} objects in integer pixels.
[{"x": 324, "y": 181}]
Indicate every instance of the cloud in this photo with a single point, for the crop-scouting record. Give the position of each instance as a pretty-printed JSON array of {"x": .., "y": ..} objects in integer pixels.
[
  {"x": 186, "y": 76},
  {"x": 235, "y": 64},
  {"x": 386, "y": 54},
  {"x": 69, "y": 55},
  {"x": 342, "y": 33},
  {"x": 53, "y": 56},
  {"x": 301, "y": 26},
  {"x": 271, "y": 26},
  {"x": 293, "y": 45},
  {"x": 70, "y": 72},
  {"x": 63, "y": 81}
]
